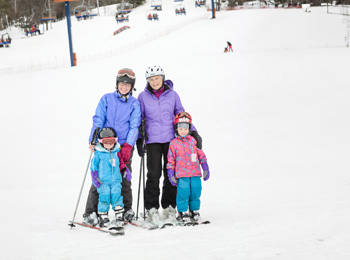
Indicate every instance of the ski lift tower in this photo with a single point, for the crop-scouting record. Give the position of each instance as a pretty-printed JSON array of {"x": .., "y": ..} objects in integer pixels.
[{"x": 66, "y": 3}]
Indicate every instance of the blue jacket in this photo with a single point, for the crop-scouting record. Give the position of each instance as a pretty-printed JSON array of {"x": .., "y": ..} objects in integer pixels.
[
  {"x": 123, "y": 116},
  {"x": 102, "y": 162}
]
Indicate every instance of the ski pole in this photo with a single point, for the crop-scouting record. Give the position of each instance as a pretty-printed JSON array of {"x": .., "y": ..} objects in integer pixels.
[
  {"x": 142, "y": 130},
  {"x": 143, "y": 175},
  {"x": 93, "y": 142},
  {"x": 138, "y": 193}
]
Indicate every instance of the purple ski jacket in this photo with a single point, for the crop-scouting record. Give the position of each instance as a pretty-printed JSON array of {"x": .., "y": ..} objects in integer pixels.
[{"x": 160, "y": 113}]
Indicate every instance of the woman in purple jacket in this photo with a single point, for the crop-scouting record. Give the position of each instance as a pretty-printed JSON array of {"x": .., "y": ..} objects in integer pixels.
[{"x": 159, "y": 106}]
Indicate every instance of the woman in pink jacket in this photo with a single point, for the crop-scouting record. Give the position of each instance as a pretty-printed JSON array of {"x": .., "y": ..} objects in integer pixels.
[{"x": 184, "y": 172}]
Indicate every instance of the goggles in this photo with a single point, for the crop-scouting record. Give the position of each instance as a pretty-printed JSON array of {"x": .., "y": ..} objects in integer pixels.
[
  {"x": 183, "y": 125},
  {"x": 108, "y": 140},
  {"x": 126, "y": 72},
  {"x": 184, "y": 114}
]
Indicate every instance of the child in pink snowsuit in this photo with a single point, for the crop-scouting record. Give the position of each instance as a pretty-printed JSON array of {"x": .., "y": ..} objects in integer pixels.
[{"x": 184, "y": 172}]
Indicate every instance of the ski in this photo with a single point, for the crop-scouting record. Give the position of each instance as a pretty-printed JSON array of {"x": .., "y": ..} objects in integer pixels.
[
  {"x": 112, "y": 230},
  {"x": 192, "y": 223},
  {"x": 204, "y": 222},
  {"x": 141, "y": 225},
  {"x": 149, "y": 225},
  {"x": 186, "y": 224}
]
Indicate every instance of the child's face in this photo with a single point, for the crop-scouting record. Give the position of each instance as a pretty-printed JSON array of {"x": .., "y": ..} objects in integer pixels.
[
  {"x": 108, "y": 146},
  {"x": 183, "y": 131}
]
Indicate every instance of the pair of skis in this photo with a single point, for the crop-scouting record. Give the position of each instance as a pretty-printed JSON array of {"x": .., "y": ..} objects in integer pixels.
[
  {"x": 119, "y": 231},
  {"x": 151, "y": 226},
  {"x": 112, "y": 230}
]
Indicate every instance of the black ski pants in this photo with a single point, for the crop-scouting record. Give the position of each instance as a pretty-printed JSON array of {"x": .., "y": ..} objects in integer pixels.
[
  {"x": 92, "y": 201},
  {"x": 155, "y": 152}
]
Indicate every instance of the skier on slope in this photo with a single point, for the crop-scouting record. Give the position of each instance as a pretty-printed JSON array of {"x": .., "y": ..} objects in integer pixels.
[
  {"x": 183, "y": 169},
  {"x": 106, "y": 176},
  {"x": 229, "y": 46},
  {"x": 121, "y": 111}
]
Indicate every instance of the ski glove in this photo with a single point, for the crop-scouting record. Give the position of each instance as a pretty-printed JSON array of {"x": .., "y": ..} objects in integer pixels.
[
  {"x": 198, "y": 139},
  {"x": 95, "y": 180},
  {"x": 123, "y": 169},
  {"x": 140, "y": 147},
  {"x": 172, "y": 179},
  {"x": 125, "y": 152},
  {"x": 206, "y": 172},
  {"x": 127, "y": 173}
]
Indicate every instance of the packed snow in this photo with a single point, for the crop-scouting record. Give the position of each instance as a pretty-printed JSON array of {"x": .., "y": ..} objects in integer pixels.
[{"x": 273, "y": 115}]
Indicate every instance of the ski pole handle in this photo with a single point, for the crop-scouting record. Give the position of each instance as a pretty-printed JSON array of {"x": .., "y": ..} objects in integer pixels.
[
  {"x": 94, "y": 136},
  {"x": 143, "y": 128}
]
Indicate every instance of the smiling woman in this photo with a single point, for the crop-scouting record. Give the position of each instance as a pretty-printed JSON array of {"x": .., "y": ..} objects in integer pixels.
[
  {"x": 155, "y": 82},
  {"x": 121, "y": 111},
  {"x": 159, "y": 105}
]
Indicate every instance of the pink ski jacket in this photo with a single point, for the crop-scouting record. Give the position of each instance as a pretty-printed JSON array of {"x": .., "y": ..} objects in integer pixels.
[{"x": 184, "y": 157}]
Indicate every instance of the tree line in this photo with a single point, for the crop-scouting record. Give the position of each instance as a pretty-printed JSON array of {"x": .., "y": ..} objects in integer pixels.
[{"x": 29, "y": 12}]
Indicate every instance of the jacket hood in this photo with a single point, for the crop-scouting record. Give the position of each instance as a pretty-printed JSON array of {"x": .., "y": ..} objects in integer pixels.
[{"x": 121, "y": 97}]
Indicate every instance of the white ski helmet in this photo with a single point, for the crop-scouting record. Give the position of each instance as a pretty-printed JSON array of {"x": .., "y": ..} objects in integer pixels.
[{"x": 154, "y": 71}]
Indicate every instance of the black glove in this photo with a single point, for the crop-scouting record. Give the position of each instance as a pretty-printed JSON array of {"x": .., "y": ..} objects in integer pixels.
[
  {"x": 140, "y": 147},
  {"x": 198, "y": 139}
]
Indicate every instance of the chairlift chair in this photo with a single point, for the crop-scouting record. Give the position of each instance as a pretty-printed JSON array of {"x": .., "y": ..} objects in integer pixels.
[
  {"x": 90, "y": 8},
  {"x": 156, "y": 5},
  {"x": 79, "y": 10},
  {"x": 151, "y": 12},
  {"x": 46, "y": 16},
  {"x": 179, "y": 7},
  {"x": 5, "y": 40},
  {"x": 200, "y": 3}
]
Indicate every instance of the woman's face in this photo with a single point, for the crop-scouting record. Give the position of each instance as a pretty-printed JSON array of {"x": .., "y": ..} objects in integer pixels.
[
  {"x": 124, "y": 88},
  {"x": 155, "y": 82}
]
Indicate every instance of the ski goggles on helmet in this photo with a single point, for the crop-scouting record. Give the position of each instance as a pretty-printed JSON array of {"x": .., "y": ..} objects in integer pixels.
[
  {"x": 183, "y": 117},
  {"x": 183, "y": 125},
  {"x": 108, "y": 140},
  {"x": 126, "y": 72},
  {"x": 184, "y": 114}
]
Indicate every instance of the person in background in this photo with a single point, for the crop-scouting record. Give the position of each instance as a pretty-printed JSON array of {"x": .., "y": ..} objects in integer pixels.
[{"x": 229, "y": 45}]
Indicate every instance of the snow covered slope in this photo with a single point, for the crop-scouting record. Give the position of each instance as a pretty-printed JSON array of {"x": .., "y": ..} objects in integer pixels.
[{"x": 274, "y": 117}]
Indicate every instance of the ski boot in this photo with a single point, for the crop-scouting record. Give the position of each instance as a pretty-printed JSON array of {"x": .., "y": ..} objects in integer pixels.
[
  {"x": 103, "y": 219},
  {"x": 129, "y": 215},
  {"x": 119, "y": 213},
  {"x": 195, "y": 217},
  {"x": 153, "y": 216},
  {"x": 184, "y": 219},
  {"x": 170, "y": 214},
  {"x": 90, "y": 219},
  {"x": 117, "y": 225}
]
